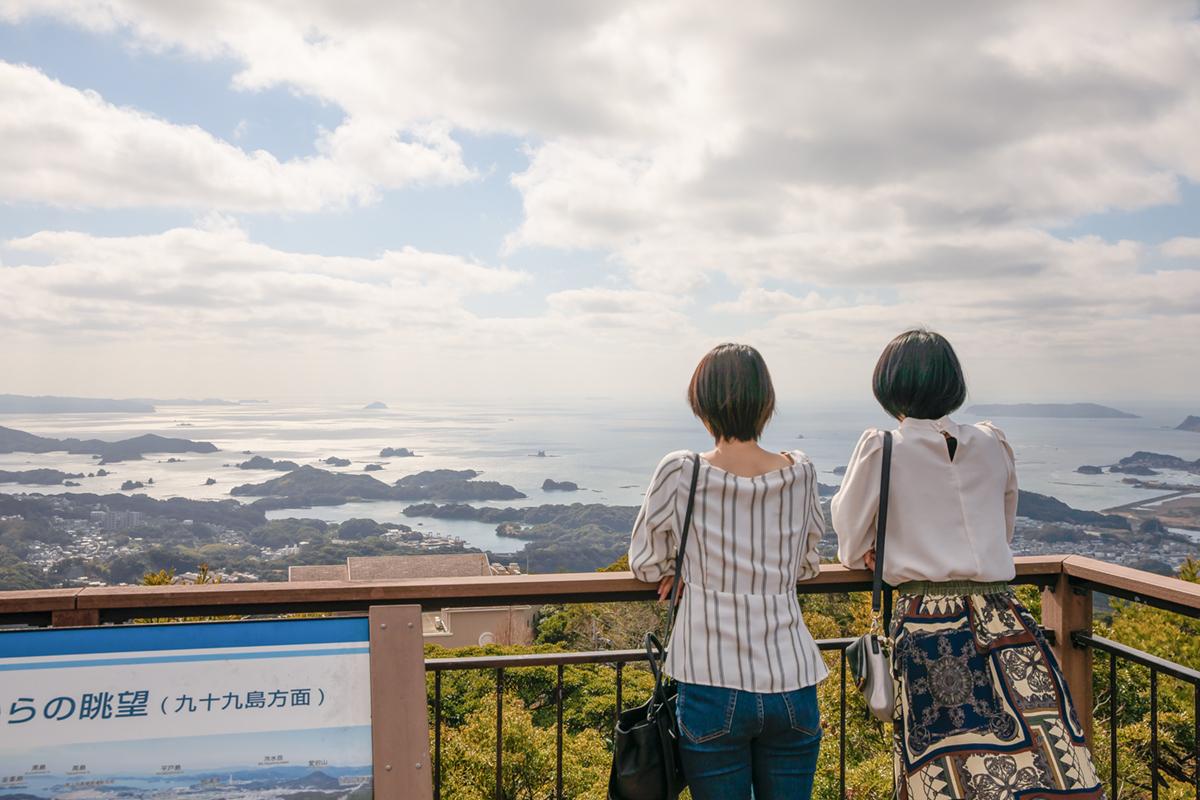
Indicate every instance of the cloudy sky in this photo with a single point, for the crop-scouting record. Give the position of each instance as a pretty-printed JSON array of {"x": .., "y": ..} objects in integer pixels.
[{"x": 468, "y": 200}]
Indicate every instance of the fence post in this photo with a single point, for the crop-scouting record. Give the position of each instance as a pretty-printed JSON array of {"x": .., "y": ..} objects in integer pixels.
[
  {"x": 399, "y": 714},
  {"x": 1065, "y": 610},
  {"x": 75, "y": 618}
]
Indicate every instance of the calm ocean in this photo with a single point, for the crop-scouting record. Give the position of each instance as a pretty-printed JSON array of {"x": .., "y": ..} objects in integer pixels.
[{"x": 608, "y": 451}]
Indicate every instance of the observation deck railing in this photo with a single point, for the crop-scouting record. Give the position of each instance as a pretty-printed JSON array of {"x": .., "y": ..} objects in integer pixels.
[{"x": 1068, "y": 584}]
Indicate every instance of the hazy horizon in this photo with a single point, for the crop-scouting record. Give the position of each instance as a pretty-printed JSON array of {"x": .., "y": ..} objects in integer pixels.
[
  {"x": 527, "y": 201},
  {"x": 350, "y": 403}
]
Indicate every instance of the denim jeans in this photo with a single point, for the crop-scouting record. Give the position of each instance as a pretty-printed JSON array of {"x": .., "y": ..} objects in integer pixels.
[{"x": 730, "y": 741}]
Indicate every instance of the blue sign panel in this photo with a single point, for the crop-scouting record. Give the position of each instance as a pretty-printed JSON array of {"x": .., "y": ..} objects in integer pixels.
[{"x": 262, "y": 709}]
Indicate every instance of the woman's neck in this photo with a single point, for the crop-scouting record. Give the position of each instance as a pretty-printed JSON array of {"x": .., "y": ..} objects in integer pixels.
[{"x": 747, "y": 459}]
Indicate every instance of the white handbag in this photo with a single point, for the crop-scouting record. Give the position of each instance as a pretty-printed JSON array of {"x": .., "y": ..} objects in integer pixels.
[{"x": 870, "y": 655}]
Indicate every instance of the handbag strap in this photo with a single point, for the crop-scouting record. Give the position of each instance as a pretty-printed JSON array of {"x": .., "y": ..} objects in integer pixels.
[
  {"x": 683, "y": 537},
  {"x": 881, "y": 529},
  {"x": 655, "y": 651}
]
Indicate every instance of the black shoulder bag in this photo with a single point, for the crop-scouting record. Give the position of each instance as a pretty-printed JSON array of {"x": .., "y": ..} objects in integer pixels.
[
  {"x": 869, "y": 659},
  {"x": 646, "y": 740}
]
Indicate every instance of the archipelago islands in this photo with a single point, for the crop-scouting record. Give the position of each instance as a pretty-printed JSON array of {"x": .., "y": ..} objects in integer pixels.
[{"x": 81, "y": 538}]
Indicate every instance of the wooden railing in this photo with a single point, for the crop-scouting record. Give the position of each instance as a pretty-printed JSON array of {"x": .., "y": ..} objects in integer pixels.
[
  {"x": 116, "y": 604},
  {"x": 1067, "y": 583}
]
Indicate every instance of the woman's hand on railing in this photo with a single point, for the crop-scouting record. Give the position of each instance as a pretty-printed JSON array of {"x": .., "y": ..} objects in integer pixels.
[
  {"x": 869, "y": 559},
  {"x": 664, "y": 587}
]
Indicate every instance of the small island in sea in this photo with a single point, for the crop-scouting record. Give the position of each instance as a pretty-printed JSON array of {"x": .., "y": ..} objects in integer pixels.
[
  {"x": 551, "y": 485},
  {"x": 262, "y": 462},
  {"x": 376, "y": 406},
  {"x": 15, "y": 441},
  {"x": 1050, "y": 411},
  {"x": 40, "y": 477},
  {"x": 1144, "y": 463},
  {"x": 1190, "y": 424},
  {"x": 311, "y": 486}
]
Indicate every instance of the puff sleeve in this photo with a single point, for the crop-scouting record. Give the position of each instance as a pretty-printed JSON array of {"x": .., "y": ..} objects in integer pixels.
[
  {"x": 652, "y": 544},
  {"x": 1011, "y": 490},
  {"x": 856, "y": 503}
]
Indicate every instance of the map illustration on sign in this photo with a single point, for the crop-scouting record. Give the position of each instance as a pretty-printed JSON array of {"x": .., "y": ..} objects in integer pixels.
[{"x": 254, "y": 710}]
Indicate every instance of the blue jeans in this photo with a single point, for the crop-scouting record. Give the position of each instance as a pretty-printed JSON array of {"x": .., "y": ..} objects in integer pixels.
[{"x": 730, "y": 741}]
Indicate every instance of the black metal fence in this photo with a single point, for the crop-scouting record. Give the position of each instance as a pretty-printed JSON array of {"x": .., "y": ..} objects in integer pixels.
[
  {"x": 500, "y": 664},
  {"x": 618, "y": 659},
  {"x": 1157, "y": 666}
]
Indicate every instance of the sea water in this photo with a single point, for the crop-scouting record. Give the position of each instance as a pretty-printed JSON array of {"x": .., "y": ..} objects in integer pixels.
[{"x": 610, "y": 450}]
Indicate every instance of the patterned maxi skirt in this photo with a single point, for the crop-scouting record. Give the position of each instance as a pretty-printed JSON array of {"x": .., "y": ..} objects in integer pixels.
[{"x": 982, "y": 709}]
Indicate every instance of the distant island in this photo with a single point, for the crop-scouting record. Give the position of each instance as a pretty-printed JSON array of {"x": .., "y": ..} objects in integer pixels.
[
  {"x": 38, "y": 477},
  {"x": 550, "y": 485},
  {"x": 48, "y": 404},
  {"x": 396, "y": 452},
  {"x": 1190, "y": 424},
  {"x": 311, "y": 486},
  {"x": 207, "y": 401},
  {"x": 1144, "y": 463},
  {"x": 376, "y": 406},
  {"x": 1050, "y": 411},
  {"x": 45, "y": 404},
  {"x": 15, "y": 441},
  {"x": 262, "y": 462}
]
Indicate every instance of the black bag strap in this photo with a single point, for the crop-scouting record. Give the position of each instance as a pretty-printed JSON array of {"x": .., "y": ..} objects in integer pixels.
[
  {"x": 881, "y": 534},
  {"x": 656, "y": 653},
  {"x": 683, "y": 537}
]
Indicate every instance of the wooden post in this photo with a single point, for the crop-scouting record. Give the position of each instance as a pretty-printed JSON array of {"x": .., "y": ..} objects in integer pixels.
[
  {"x": 399, "y": 716},
  {"x": 75, "y": 618},
  {"x": 1065, "y": 610}
]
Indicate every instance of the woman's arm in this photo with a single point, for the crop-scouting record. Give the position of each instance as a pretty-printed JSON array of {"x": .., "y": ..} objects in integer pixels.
[
  {"x": 856, "y": 503},
  {"x": 1011, "y": 490},
  {"x": 814, "y": 517},
  {"x": 651, "y": 549}
]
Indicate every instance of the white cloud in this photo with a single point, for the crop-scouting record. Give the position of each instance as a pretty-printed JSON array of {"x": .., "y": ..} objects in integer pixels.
[
  {"x": 669, "y": 129},
  {"x": 905, "y": 164},
  {"x": 62, "y": 146},
  {"x": 775, "y": 301},
  {"x": 211, "y": 282},
  {"x": 628, "y": 311},
  {"x": 1181, "y": 247}
]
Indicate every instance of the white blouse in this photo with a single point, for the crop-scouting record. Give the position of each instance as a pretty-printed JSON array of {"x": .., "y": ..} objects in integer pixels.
[
  {"x": 947, "y": 519},
  {"x": 739, "y": 624}
]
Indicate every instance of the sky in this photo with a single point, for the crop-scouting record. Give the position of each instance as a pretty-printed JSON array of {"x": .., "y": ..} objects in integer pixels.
[{"x": 486, "y": 201}]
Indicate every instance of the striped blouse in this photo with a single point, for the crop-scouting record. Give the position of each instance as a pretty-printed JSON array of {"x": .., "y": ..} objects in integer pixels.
[{"x": 739, "y": 624}]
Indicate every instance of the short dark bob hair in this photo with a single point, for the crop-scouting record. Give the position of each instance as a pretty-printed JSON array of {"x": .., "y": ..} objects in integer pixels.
[
  {"x": 918, "y": 375},
  {"x": 731, "y": 392}
]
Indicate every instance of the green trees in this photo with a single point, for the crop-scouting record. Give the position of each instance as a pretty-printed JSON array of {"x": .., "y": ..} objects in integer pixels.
[
  {"x": 530, "y": 715},
  {"x": 468, "y": 758},
  {"x": 469, "y": 703},
  {"x": 1170, "y": 636}
]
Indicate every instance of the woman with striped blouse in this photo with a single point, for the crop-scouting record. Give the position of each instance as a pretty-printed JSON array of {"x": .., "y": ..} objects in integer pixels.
[{"x": 746, "y": 664}]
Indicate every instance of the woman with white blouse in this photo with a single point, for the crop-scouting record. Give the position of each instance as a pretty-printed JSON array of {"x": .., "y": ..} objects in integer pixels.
[
  {"x": 982, "y": 709},
  {"x": 745, "y": 663}
]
